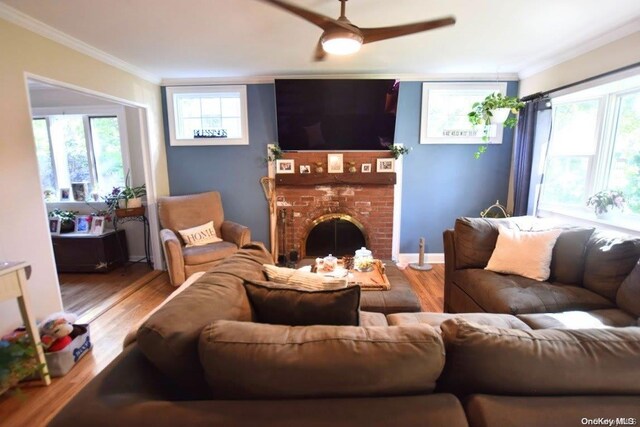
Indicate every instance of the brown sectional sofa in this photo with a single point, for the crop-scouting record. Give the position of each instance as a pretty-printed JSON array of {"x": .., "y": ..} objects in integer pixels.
[
  {"x": 594, "y": 277},
  {"x": 203, "y": 360}
]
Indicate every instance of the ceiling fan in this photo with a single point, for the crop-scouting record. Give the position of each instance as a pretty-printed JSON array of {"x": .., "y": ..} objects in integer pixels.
[{"x": 341, "y": 37}]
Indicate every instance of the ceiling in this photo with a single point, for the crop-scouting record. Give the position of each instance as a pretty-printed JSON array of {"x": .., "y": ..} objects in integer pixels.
[{"x": 241, "y": 38}]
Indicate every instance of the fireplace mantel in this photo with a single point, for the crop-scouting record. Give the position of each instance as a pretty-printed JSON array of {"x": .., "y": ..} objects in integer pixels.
[{"x": 336, "y": 179}]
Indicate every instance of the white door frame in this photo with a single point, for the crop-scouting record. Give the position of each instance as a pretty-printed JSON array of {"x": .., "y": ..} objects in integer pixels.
[{"x": 150, "y": 182}]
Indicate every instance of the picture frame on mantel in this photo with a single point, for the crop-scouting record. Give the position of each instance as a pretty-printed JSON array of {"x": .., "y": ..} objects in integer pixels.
[
  {"x": 386, "y": 165},
  {"x": 285, "y": 166},
  {"x": 335, "y": 163},
  {"x": 366, "y": 168}
]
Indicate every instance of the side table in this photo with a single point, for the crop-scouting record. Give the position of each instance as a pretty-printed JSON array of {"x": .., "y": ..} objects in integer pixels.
[
  {"x": 122, "y": 216},
  {"x": 13, "y": 284}
]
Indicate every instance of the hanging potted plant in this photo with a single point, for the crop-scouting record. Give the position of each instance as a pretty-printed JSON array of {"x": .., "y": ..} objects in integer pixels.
[{"x": 494, "y": 110}]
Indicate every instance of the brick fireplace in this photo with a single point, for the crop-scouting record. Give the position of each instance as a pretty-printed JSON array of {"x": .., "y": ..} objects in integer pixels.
[{"x": 365, "y": 199}]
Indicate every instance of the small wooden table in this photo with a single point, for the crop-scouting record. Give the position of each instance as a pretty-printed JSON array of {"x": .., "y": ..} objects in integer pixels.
[{"x": 13, "y": 284}]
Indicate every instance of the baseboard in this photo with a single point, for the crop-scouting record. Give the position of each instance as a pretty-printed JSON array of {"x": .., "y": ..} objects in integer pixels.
[{"x": 433, "y": 258}]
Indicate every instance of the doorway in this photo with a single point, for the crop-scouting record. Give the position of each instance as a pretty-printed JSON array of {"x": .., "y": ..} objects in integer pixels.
[{"x": 86, "y": 145}]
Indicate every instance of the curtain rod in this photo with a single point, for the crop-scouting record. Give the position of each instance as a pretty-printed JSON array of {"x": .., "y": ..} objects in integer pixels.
[{"x": 588, "y": 79}]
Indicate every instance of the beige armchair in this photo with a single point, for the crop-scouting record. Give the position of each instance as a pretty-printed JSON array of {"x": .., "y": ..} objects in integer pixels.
[{"x": 182, "y": 212}]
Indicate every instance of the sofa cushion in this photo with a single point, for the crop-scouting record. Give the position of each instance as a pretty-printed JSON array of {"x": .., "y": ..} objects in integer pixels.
[
  {"x": 628, "y": 296},
  {"x": 369, "y": 318},
  {"x": 518, "y": 411},
  {"x": 595, "y": 319},
  {"x": 567, "y": 261},
  {"x": 499, "y": 293},
  {"x": 610, "y": 259},
  {"x": 475, "y": 239},
  {"x": 194, "y": 255},
  {"x": 304, "y": 280},
  {"x": 169, "y": 338},
  {"x": 485, "y": 359},
  {"x": 245, "y": 360},
  {"x": 280, "y": 306},
  {"x": 435, "y": 319},
  {"x": 525, "y": 253}
]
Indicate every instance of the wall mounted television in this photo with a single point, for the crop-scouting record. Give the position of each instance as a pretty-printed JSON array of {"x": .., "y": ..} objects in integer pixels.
[{"x": 336, "y": 114}]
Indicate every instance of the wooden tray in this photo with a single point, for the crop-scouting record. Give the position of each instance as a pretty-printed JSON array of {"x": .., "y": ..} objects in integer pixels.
[{"x": 374, "y": 280}]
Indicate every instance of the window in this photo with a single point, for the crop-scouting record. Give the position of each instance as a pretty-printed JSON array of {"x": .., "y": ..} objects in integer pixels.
[
  {"x": 445, "y": 107},
  {"x": 594, "y": 146},
  {"x": 207, "y": 115},
  {"x": 79, "y": 148}
]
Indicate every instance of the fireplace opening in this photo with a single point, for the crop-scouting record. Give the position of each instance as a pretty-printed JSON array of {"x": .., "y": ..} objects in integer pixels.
[{"x": 335, "y": 234}]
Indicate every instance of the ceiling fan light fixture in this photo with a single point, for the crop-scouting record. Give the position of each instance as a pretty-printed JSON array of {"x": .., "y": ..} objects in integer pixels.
[{"x": 342, "y": 43}]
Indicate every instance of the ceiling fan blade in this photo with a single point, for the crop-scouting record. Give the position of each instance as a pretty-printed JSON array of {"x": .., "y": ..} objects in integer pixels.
[
  {"x": 383, "y": 33},
  {"x": 321, "y": 21},
  {"x": 319, "y": 54}
]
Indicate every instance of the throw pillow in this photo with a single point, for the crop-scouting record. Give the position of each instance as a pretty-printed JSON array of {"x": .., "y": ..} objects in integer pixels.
[
  {"x": 304, "y": 280},
  {"x": 200, "y": 235},
  {"x": 526, "y": 254},
  {"x": 294, "y": 307}
]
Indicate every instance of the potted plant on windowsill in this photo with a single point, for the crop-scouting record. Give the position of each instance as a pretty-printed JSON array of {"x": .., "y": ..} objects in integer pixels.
[
  {"x": 67, "y": 219},
  {"x": 605, "y": 200},
  {"x": 495, "y": 109}
]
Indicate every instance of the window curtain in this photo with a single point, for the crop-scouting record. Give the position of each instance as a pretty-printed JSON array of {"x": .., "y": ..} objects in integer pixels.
[{"x": 532, "y": 132}]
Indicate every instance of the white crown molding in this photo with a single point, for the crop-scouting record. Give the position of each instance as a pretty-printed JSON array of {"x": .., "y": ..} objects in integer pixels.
[
  {"x": 545, "y": 62},
  {"x": 402, "y": 77},
  {"x": 25, "y": 21}
]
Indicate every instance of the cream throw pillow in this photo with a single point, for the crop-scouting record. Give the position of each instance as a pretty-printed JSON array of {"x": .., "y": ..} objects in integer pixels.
[
  {"x": 525, "y": 253},
  {"x": 200, "y": 235},
  {"x": 296, "y": 279}
]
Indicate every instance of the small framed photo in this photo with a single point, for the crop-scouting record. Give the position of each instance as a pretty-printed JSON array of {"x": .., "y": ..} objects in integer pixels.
[
  {"x": 65, "y": 194},
  {"x": 335, "y": 163},
  {"x": 79, "y": 190},
  {"x": 83, "y": 223},
  {"x": 366, "y": 168},
  {"x": 284, "y": 165},
  {"x": 385, "y": 165},
  {"x": 54, "y": 225},
  {"x": 305, "y": 169},
  {"x": 97, "y": 225}
]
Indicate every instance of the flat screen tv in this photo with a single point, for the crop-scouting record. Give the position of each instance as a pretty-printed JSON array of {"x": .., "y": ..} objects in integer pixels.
[{"x": 336, "y": 114}]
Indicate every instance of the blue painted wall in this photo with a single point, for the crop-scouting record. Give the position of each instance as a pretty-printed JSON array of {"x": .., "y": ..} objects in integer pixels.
[
  {"x": 440, "y": 182},
  {"x": 443, "y": 182},
  {"x": 234, "y": 171}
]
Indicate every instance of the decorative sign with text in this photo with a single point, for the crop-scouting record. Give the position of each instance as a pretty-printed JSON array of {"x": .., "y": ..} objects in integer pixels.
[{"x": 210, "y": 133}]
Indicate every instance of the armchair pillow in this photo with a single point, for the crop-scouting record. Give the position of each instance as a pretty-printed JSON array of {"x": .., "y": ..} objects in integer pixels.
[
  {"x": 526, "y": 254},
  {"x": 200, "y": 235}
]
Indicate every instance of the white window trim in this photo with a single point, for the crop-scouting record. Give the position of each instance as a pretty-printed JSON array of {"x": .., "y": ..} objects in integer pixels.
[
  {"x": 90, "y": 111},
  {"x": 598, "y": 173},
  {"x": 171, "y": 115},
  {"x": 500, "y": 87}
]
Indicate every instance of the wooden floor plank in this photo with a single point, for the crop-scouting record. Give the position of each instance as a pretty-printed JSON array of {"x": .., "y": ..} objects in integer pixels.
[
  {"x": 90, "y": 294},
  {"x": 107, "y": 332},
  {"x": 429, "y": 286}
]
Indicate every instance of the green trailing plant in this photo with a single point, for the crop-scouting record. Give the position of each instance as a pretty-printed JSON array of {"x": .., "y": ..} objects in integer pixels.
[
  {"x": 482, "y": 112},
  {"x": 397, "y": 151},
  {"x": 67, "y": 219},
  {"x": 604, "y": 200},
  {"x": 275, "y": 153},
  {"x": 127, "y": 192},
  {"x": 17, "y": 361}
]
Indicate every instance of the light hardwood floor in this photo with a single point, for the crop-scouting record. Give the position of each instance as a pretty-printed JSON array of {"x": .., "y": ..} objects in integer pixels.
[
  {"x": 108, "y": 330},
  {"x": 90, "y": 294}
]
